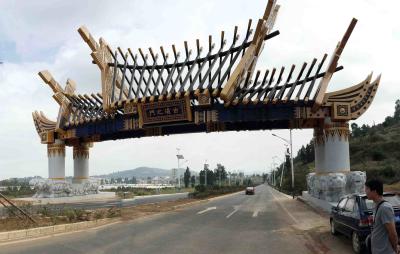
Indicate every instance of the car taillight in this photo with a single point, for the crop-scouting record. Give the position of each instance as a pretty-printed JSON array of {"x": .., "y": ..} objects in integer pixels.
[{"x": 367, "y": 222}]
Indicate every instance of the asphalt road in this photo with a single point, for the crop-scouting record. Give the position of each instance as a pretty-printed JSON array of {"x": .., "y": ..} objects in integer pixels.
[{"x": 267, "y": 222}]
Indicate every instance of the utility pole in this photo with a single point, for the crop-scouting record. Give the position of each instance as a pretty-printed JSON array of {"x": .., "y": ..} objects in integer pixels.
[
  {"x": 291, "y": 161},
  {"x": 290, "y": 143}
]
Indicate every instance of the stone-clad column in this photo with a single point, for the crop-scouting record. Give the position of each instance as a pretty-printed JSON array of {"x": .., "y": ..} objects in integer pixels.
[
  {"x": 81, "y": 162},
  {"x": 331, "y": 143},
  {"x": 333, "y": 178},
  {"x": 56, "y": 160}
]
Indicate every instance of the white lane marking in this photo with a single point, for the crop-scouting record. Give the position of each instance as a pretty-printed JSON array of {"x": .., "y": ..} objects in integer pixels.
[
  {"x": 208, "y": 209},
  {"x": 229, "y": 215},
  {"x": 283, "y": 207},
  {"x": 255, "y": 213}
]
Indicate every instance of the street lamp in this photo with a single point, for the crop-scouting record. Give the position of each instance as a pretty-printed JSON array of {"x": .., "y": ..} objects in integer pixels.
[
  {"x": 289, "y": 142},
  {"x": 179, "y": 157}
]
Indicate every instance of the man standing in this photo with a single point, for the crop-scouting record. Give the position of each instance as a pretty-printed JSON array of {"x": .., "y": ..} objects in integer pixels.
[{"x": 383, "y": 235}]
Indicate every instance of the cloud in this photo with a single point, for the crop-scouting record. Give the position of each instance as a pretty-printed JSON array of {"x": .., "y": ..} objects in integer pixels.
[{"x": 44, "y": 35}]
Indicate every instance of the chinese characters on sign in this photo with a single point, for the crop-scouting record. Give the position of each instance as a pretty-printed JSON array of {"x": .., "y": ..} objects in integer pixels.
[{"x": 165, "y": 111}]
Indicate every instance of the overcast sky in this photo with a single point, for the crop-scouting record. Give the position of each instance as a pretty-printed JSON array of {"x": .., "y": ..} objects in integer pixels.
[{"x": 38, "y": 35}]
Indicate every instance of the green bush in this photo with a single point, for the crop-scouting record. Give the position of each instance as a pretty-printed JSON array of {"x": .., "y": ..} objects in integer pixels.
[
  {"x": 113, "y": 212},
  {"x": 378, "y": 155},
  {"x": 200, "y": 188},
  {"x": 45, "y": 211},
  {"x": 388, "y": 171},
  {"x": 202, "y": 191},
  {"x": 70, "y": 214},
  {"x": 99, "y": 214}
]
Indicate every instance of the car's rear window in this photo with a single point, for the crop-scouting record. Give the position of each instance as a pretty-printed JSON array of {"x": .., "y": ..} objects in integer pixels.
[{"x": 394, "y": 200}]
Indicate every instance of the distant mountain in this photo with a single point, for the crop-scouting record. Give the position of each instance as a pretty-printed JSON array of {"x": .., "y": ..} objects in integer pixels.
[{"x": 139, "y": 173}]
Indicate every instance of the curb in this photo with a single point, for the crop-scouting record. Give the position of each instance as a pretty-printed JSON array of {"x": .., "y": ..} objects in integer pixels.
[
  {"x": 312, "y": 207},
  {"x": 52, "y": 230},
  {"x": 282, "y": 193}
]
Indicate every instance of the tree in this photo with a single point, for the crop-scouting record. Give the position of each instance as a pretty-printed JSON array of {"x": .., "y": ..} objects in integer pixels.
[
  {"x": 310, "y": 152},
  {"x": 355, "y": 130},
  {"x": 397, "y": 111},
  {"x": 220, "y": 173},
  {"x": 193, "y": 181},
  {"x": 201, "y": 176},
  {"x": 264, "y": 176},
  {"x": 186, "y": 177},
  {"x": 210, "y": 177}
]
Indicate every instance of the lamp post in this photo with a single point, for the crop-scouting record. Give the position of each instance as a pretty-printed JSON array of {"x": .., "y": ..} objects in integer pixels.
[
  {"x": 179, "y": 157},
  {"x": 289, "y": 142}
]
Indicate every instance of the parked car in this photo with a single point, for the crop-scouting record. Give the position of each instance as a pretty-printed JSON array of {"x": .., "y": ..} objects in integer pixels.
[
  {"x": 250, "y": 190},
  {"x": 353, "y": 217}
]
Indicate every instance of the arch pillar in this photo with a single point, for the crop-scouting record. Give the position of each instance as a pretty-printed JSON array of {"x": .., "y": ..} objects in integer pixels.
[
  {"x": 81, "y": 162},
  {"x": 333, "y": 178},
  {"x": 331, "y": 143},
  {"x": 56, "y": 160}
]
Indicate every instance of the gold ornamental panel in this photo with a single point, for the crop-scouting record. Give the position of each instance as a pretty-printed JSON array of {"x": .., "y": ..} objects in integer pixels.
[
  {"x": 55, "y": 150},
  {"x": 81, "y": 151},
  {"x": 339, "y": 129},
  {"x": 341, "y": 111}
]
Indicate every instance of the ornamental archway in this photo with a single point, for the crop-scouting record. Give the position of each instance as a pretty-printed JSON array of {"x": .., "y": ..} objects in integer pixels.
[{"x": 213, "y": 87}]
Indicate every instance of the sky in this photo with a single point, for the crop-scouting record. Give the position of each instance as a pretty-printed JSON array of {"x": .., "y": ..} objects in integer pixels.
[{"x": 42, "y": 35}]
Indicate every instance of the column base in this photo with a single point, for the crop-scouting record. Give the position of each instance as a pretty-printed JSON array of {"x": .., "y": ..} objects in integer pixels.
[
  {"x": 332, "y": 186},
  {"x": 50, "y": 188},
  {"x": 80, "y": 180}
]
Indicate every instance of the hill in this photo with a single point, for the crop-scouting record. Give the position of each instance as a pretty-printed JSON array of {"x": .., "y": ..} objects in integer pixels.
[{"x": 139, "y": 173}]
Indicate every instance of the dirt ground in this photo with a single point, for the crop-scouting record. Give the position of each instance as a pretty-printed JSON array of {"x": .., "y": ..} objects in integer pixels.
[{"x": 128, "y": 213}]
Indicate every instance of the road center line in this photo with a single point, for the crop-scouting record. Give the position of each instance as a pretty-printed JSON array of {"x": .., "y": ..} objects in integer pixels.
[
  {"x": 229, "y": 215},
  {"x": 208, "y": 209},
  {"x": 255, "y": 213}
]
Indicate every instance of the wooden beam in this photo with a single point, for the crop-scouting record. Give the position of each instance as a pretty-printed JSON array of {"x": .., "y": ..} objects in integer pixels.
[
  {"x": 249, "y": 59},
  {"x": 49, "y": 80},
  {"x": 323, "y": 85},
  {"x": 88, "y": 38}
]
